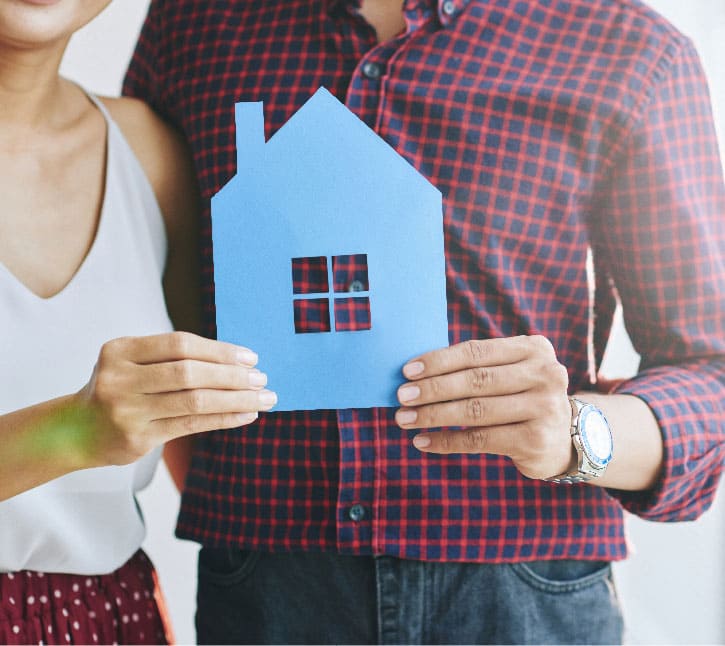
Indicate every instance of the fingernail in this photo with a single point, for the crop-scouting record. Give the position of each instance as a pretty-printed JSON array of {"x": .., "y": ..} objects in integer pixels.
[
  {"x": 407, "y": 416},
  {"x": 257, "y": 378},
  {"x": 247, "y": 357},
  {"x": 408, "y": 393},
  {"x": 247, "y": 418},
  {"x": 267, "y": 398},
  {"x": 421, "y": 442},
  {"x": 413, "y": 369}
]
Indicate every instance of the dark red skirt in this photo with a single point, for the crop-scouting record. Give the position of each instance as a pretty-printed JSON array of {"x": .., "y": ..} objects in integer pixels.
[{"x": 124, "y": 607}]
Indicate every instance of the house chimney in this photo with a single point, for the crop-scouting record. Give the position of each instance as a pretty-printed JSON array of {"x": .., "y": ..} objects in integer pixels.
[{"x": 249, "y": 119}]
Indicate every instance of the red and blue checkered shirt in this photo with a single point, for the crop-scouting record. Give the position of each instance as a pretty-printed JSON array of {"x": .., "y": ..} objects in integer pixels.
[{"x": 551, "y": 127}]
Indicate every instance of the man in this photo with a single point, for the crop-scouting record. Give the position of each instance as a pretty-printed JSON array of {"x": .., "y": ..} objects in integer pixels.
[{"x": 563, "y": 135}]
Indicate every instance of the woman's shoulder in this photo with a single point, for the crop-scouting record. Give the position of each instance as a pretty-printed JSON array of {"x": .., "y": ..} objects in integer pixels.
[{"x": 161, "y": 150}]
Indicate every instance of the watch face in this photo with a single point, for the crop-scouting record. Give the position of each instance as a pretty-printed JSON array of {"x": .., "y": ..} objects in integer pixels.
[{"x": 596, "y": 436}]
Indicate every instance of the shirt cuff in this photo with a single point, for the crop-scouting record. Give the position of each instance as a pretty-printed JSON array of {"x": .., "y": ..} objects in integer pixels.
[{"x": 689, "y": 405}]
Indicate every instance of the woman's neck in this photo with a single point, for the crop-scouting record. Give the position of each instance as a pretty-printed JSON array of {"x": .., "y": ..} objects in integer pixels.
[{"x": 30, "y": 88}]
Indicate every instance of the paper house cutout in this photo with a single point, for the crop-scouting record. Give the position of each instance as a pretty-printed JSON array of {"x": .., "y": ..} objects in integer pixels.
[{"x": 327, "y": 186}]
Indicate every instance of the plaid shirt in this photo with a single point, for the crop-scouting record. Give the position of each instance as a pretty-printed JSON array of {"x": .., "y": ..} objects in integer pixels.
[{"x": 550, "y": 127}]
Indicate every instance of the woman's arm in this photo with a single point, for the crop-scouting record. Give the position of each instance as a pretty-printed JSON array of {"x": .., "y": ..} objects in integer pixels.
[
  {"x": 144, "y": 391},
  {"x": 41, "y": 443}
]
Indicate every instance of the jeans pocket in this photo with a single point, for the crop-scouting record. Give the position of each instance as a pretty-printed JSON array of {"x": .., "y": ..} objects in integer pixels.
[
  {"x": 558, "y": 576},
  {"x": 226, "y": 566}
]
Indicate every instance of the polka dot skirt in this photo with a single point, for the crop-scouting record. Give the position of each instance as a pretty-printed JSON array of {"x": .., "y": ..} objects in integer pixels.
[{"x": 124, "y": 607}]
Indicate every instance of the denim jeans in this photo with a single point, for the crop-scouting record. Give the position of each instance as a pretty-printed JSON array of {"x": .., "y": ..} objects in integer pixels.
[{"x": 299, "y": 598}]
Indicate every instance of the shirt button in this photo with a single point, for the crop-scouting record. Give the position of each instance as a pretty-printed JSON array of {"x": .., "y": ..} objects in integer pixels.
[
  {"x": 356, "y": 286},
  {"x": 372, "y": 70},
  {"x": 449, "y": 7},
  {"x": 356, "y": 513}
]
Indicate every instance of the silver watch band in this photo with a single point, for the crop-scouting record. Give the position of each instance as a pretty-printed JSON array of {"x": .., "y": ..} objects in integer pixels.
[{"x": 585, "y": 470}]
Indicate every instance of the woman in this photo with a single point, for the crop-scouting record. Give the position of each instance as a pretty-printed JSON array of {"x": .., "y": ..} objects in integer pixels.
[{"x": 91, "y": 190}]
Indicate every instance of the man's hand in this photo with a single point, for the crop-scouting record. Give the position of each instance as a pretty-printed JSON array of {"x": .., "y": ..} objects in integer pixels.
[{"x": 509, "y": 394}]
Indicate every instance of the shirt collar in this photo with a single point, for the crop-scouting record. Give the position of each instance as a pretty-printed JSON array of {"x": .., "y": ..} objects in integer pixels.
[{"x": 448, "y": 10}]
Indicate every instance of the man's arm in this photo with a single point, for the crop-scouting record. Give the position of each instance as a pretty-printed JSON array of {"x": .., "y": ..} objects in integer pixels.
[{"x": 657, "y": 229}]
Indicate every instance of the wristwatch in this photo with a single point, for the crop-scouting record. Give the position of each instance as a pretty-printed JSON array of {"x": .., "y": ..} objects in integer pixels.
[{"x": 592, "y": 439}]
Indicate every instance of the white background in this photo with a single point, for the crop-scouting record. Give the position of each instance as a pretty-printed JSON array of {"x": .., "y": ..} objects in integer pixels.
[{"x": 673, "y": 586}]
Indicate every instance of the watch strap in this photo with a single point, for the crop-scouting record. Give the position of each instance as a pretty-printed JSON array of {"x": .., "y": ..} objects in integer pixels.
[{"x": 584, "y": 470}]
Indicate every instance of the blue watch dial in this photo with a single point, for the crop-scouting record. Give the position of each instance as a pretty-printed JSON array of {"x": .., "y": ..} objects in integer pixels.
[{"x": 596, "y": 436}]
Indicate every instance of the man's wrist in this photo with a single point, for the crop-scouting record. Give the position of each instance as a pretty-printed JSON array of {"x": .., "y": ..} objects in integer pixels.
[{"x": 591, "y": 440}]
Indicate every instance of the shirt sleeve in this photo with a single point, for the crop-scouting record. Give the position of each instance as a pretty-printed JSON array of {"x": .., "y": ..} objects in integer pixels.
[{"x": 659, "y": 233}]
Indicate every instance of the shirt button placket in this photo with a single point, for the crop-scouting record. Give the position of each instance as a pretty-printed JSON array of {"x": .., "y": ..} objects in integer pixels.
[{"x": 364, "y": 98}]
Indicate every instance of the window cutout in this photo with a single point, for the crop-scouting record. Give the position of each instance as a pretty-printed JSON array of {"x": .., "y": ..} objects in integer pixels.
[
  {"x": 350, "y": 273},
  {"x": 312, "y": 296},
  {"x": 312, "y": 315},
  {"x": 309, "y": 275},
  {"x": 352, "y": 314}
]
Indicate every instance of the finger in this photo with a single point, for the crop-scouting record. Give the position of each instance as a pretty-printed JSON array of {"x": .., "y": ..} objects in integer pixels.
[
  {"x": 532, "y": 458},
  {"x": 175, "y": 346},
  {"x": 475, "y": 411},
  {"x": 173, "y": 427},
  {"x": 496, "y": 440},
  {"x": 208, "y": 402},
  {"x": 479, "y": 381},
  {"x": 190, "y": 374},
  {"x": 475, "y": 353}
]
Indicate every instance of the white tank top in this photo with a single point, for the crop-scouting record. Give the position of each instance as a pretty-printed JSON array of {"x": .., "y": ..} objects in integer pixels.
[{"x": 86, "y": 522}]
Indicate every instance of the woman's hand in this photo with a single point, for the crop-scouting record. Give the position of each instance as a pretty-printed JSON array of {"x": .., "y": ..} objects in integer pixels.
[
  {"x": 145, "y": 391},
  {"x": 509, "y": 394}
]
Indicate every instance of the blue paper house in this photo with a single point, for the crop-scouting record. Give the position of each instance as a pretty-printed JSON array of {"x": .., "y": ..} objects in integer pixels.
[{"x": 324, "y": 189}]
